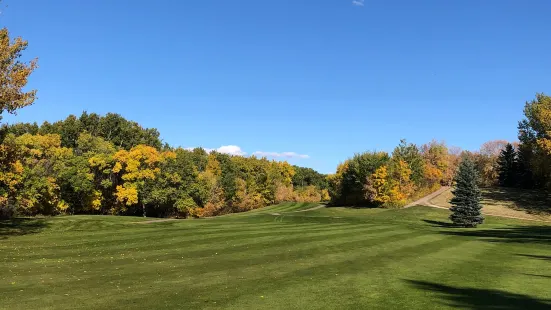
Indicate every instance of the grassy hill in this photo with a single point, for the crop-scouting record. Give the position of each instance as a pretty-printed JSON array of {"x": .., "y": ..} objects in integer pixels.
[
  {"x": 275, "y": 258},
  {"x": 508, "y": 202}
]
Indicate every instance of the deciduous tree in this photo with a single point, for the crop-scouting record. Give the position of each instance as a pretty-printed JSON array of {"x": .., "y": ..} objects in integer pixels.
[
  {"x": 535, "y": 140},
  {"x": 136, "y": 166},
  {"x": 14, "y": 74}
]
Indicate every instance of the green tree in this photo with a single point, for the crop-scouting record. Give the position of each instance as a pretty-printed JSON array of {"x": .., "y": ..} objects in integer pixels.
[
  {"x": 535, "y": 139},
  {"x": 507, "y": 164},
  {"x": 69, "y": 130},
  {"x": 525, "y": 178},
  {"x": 76, "y": 184},
  {"x": 466, "y": 208},
  {"x": 307, "y": 176},
  {"x": 112, "y": 127},
  {"x": 410, "y": 153},
  {"x": 354, "y": 178},
  {"x": 486, "y": 162},
  {"x": 20, "y": 129}
]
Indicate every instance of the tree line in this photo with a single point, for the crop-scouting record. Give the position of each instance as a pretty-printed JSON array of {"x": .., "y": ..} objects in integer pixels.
[
  {"x": 528, "y": 163},
  {"x": 410, "y": 171},
  {"x": 109, "y": 165},
  {"x": 392, "y": 180},
  {"x": 96, "y": 164}
]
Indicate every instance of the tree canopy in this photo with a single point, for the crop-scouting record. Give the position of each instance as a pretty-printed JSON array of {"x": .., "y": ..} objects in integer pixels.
[
  {"x": 14, "y": 74},
  {"x": 108, "y": 165}
]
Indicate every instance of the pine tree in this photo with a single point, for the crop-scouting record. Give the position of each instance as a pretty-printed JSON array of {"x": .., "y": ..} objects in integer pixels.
[
  {"x": 466, "y": 201},
  {"x": 524, "y": 175},
  {"x": 507, "y": 164}
]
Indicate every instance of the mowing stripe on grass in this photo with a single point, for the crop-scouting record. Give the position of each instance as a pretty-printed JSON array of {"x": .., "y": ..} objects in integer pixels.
[{"x": 371, "y": 259}]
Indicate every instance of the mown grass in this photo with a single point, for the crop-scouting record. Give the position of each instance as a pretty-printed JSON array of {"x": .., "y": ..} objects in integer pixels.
[
  {"x": 326, "y": 258},
  {"x": 286, "y": 207}
]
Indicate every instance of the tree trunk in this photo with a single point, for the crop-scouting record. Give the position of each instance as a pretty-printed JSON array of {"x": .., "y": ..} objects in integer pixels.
[{"x": 143, "y": 206}]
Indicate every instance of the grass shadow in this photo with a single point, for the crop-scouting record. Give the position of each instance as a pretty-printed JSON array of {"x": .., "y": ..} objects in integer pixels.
[
  {"x": 440, "y": 224},
  {"x": 479, "y": 299},
  {"x": 537, "y": 275},
  {"x": 536, "y": 202},
  {"x": 20, "y": 227},
  {"x": 541, "y": 257},
  {"x": 516, "y": 234},
  {"x": 356, "y": 206}
]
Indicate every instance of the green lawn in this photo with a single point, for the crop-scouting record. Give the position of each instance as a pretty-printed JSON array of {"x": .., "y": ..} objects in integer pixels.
[{"x": 275, "y": 258}]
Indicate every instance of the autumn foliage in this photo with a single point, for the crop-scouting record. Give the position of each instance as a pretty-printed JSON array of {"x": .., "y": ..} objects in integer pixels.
[
  {"x": 392, "y": 180},
  {"x": 108, "y": 165},
  {"x": 14, "y": 74},
  {"x": 77, "y": 166}
]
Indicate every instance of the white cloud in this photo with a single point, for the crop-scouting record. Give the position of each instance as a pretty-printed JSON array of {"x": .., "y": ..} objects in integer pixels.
[
  {"x": 236, "y": 150},
  {"x": 231, "y": 150},
  {"x": 358, "y": 2},
  {"x": 224, "y": 149},
  {"x": 280, "y": 155}
]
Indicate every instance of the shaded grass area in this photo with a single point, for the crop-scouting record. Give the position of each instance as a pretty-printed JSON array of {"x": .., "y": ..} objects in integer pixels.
[
  {"x": 470, "y": 298},
  {"x": 530, "y": 201},
  {"x": 514, "y": 202},
  {"x": 518, "y": 234},
  {"x": 21, "y": 226},
  {"x": 326, "y": 258}
]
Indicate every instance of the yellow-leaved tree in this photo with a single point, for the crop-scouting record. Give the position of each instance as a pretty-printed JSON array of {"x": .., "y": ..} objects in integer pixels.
[
  {"x": 134, "y": 167},
  {"x": 377, "y": 187},
  {"x": 211, "y": 191},
  {"x": 401, "y": 174},
  {"x": 28, "y": 181},
  {"x": 14, "y": 74},
  {"x": 389, "y": 189},
  {"x": 246, "y": 198},
  {"x": 437, "y": 164},
  {"x": 535, "y": 142}
]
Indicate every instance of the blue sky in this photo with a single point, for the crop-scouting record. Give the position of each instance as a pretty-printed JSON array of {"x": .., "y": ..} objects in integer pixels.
[{"x": 322, "y": 78}]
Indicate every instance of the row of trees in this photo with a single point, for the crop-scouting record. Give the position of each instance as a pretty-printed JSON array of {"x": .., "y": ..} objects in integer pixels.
[
  {"x": 111, "y": 127},
  {"x": 511, "y": 172},
  {"x": 42, "y": 174},
  {"x": 108, "y": 165},
  {"x": 527, "y": 164},
  {"x": 391, "y": 180}
]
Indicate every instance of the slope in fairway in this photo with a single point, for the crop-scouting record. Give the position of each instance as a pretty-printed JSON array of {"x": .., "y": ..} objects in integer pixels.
[
  {"x": 508, "y": 202},
  {"x": 325, "y": 258}
]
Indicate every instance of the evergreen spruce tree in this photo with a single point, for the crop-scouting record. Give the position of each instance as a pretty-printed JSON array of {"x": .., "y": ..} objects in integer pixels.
[
  {"x": 524, "y": 176},
  {"x": 466, "y": 201},
  {"x": 507, "y": 164}
]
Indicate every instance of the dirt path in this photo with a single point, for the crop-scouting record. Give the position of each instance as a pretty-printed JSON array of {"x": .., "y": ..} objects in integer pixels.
[{"x": 425, "y": 201}]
